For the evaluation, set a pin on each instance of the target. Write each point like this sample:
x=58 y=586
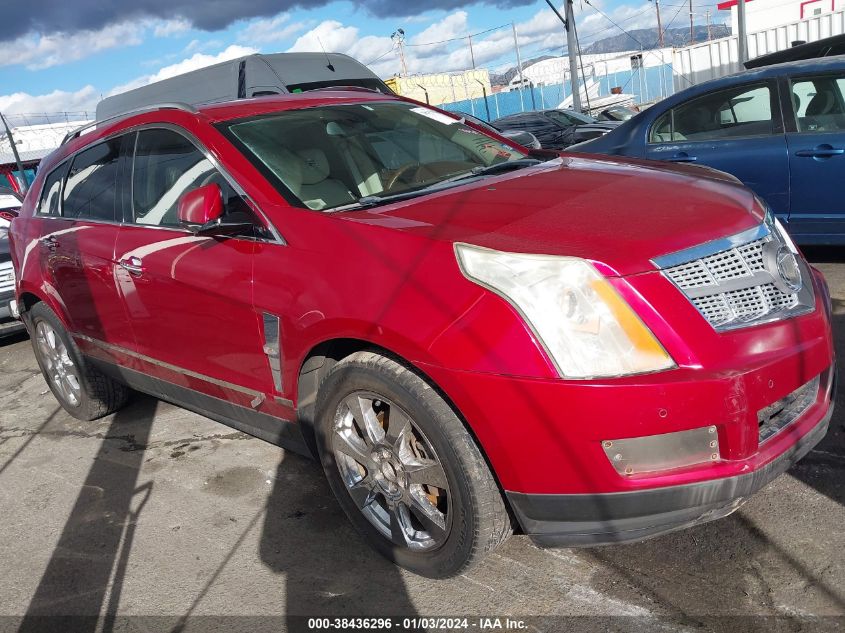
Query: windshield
x=333 y=156
x=569 y=117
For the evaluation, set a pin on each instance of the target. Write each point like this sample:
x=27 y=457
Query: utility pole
x=742 y=42
x=399 y=38
x=518 y=66
x=660 y=41
x=691 y=30
x=572 y=48
x=25 y=183
x=471 y=53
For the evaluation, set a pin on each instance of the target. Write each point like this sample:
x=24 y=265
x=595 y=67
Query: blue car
x=779 y=129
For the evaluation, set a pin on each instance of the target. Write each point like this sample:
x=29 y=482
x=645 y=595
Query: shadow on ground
x=348 y=578
x=85 y=574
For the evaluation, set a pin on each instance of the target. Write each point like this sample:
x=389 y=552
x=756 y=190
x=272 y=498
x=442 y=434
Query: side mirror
x=201 y=205
x=201 y=212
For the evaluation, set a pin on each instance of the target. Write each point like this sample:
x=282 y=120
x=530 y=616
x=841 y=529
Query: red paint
x=201 y=205
x=804 y=4
x=723 y=6
x=388 y=276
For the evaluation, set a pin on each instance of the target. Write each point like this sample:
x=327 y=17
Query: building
x=766 y=14
x=439 y=88
x=33 y=143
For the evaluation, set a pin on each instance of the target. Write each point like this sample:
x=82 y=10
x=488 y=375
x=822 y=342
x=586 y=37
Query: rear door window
x=743 y=111
x=50 y=202
x=819 y=103
x=90 y=190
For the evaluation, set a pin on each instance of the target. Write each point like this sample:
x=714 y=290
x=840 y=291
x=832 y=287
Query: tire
x=417 y=488
x=96 y=395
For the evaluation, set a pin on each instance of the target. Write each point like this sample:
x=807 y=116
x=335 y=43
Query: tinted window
x=819 y=103
x=168 y=165
x=91 y=182
x=50 y=202
x=365 y=82
x=569 y=118
x=734 y=113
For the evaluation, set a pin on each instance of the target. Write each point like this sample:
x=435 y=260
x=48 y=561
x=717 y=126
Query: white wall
x=766 y=14
x=717 y=58
x=556 y=70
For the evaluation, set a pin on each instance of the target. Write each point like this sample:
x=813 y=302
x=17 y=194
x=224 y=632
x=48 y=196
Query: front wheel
x=405 y=470
x=82 y=390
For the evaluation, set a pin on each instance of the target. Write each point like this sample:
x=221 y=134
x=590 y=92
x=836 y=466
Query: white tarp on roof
x=34 y=142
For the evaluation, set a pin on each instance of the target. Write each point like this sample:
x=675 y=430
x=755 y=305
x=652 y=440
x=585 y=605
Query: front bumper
x=620 y=517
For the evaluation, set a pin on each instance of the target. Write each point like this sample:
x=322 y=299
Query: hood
x=618 y=212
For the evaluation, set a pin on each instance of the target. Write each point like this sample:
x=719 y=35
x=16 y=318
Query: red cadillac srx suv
x=472 y=338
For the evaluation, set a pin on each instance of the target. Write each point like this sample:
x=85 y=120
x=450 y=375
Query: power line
x=642 y=46
x=463 y=37
x=392 y=48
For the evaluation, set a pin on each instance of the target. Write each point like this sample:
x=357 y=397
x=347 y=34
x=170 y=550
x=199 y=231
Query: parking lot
x=156 y=510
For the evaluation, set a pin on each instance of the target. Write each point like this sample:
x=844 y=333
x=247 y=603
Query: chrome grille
x=7 y=277
x=735 y=282
x=785 y=411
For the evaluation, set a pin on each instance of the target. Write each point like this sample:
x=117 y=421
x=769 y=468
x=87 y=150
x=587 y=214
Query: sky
x=66 y=56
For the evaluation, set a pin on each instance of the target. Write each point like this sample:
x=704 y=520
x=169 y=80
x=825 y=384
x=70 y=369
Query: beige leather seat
x=318 y=190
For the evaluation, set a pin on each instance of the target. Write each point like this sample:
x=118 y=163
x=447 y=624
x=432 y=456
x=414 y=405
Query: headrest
x=822 y=103
x=280 y=160
x=315 y=166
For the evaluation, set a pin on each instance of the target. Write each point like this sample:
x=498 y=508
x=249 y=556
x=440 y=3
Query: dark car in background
x=779 y=129
x=10 y=204
x=524 y=138
x=617 y=113
x=556 y=129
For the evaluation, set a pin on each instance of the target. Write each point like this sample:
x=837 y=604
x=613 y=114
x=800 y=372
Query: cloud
x=198 y=60
x=54 y=16
x=273 y=30
x=43 y=51
x=84 y=99
x=168 y=28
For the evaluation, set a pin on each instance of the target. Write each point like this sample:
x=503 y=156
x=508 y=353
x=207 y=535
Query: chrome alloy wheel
x=60 y=368
x=391 y=471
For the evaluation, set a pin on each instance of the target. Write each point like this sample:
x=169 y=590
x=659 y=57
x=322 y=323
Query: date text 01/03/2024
x=418 y=623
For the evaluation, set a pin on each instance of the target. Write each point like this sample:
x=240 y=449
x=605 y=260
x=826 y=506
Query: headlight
x=775 y=226
x=588 y=330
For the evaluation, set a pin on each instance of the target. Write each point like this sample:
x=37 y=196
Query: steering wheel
x=401 y=171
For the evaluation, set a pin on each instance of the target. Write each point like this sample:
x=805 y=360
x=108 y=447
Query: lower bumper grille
x=785 y=411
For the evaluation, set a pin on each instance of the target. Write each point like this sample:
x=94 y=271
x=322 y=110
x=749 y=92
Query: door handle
x=50 y=242
x=683 y=157
x=132 y=265
x=822 y=151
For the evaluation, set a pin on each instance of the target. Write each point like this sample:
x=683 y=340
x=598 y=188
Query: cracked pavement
x=156 y=510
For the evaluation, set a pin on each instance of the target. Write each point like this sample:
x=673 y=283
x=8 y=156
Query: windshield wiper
x=499 y=168
x=475 y=172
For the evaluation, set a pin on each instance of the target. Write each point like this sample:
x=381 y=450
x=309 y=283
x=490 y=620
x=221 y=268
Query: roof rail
x=185 y=107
